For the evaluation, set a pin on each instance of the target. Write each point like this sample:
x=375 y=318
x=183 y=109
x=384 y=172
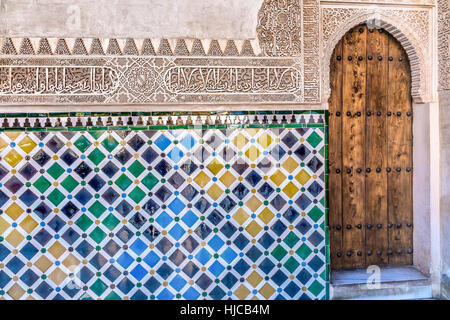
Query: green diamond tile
x=291 y=239
x=42 y=184
x=110 y=143
x=98 y=287
x=110 y=222
x=96 y=156
x=56 y=197
x=137 y=195
x=113 y=296
x=304 y=251
x=315 y=214
x=84 y=222
x=97 y=235
x=314 y=139
x=69 y=183
x=279 y=252
x=82 y=144
x=136 y=168
x=97 y=209
x=291 y=264
x=96 y=134
x=123 y=182
x=316 y=288
x=55 y=171
x=150 y=181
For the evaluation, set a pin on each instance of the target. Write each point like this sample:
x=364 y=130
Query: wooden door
x=370 y=152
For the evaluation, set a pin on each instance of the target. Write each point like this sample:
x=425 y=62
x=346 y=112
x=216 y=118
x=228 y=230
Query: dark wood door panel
x=370 y=152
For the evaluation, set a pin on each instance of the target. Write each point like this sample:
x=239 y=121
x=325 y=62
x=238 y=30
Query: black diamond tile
x=266 y=190
x=110 y=169
x=163 y=194
x=28 y=197
x=315 y=189
x=70 y=236
x=303 y=201
x=27 y=171
x=190 y=244
x=110 y=195
x=163 y=167
x=136 y=142
x=98 y=261
x=69 y=157
x=13 y=184
x=302 y=152
x=176 y=180
x=227 y=204
x=42 y=210
x=55 y=144
x=265 y=165
x=202 y=154
x=123 y=156
x=150 y=207
x=138 y=220
x=111 y=248
x=289 y=139
x=164 y=245
x=228 y=229
x=97 y=183
x=227 y=154
x=253 y=178
x=83 y=170
x=291 y=214
x=189 y=192
x=70 y=209
x=149 y=155
x=57 y=224
x=278 y=202
x=214 y=141
x=177 y=257
x=240 y=166
x=189 y=167
x=202 y=205
x=151 y=233
x=124 y=208
x=240 y=191
x=42 y=158
x=215 y=217
x=277 y=152
x=303 y=226
x=203 y=230
x=314 y=164
x=204 y=281
x=124 y=234
x=190 y=269
x=3 y=172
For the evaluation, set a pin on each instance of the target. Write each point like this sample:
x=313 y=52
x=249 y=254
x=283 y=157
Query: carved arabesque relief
x=444 y=44
x=411 y=27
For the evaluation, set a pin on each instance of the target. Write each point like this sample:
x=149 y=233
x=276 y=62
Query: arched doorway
x=370 y=151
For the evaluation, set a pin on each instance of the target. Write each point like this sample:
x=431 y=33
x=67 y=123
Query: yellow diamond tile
x=14 y=211
x=303 y=177
x=241 y=216
x=254 y=298
x=252 y=153
x=3 y=225
x=57 y=276
x=253 y=203
x=265 y=140
x=15 y=238
x=202 y=179
x=252 y=131
x=28 y=224
x=215 y=166
x=57 y=249
x=254 y=279
x=3 y=144
x=253 y=228
x=290 y=165
x=266 y=215
x=215 y=191
x=242 y=292
x=43 y=263
x=13 y=158
x=290 y=190
x=227 y=179
x=27 y=144
x=267 y=291
x=13 y=135
x=240 y=141
x=30 y=298
x=278 y=177
x=16 y=292
x=71 y=262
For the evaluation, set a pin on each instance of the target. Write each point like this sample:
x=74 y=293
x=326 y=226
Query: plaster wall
x=219 y=19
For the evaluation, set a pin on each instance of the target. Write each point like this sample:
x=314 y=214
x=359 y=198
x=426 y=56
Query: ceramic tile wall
x=164 y=212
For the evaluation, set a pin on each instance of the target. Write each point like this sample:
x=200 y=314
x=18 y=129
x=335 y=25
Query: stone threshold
x=396 y=283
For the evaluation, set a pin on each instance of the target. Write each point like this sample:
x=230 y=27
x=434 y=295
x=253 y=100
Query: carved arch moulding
x=410 y=26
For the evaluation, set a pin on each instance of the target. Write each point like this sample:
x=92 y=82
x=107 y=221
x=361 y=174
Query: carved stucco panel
x=411 y=26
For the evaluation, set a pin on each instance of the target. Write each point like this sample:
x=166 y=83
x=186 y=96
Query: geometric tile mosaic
x=234 y=213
